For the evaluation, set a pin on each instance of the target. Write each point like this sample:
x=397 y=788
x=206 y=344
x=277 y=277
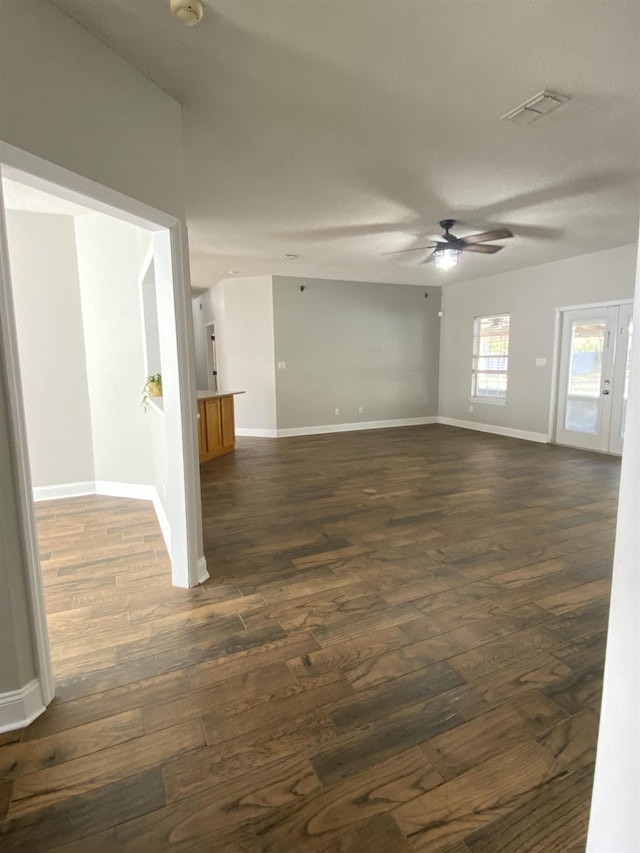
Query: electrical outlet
x=282 y=365
x=337 y=411
x=361 y=410
x=470 y=408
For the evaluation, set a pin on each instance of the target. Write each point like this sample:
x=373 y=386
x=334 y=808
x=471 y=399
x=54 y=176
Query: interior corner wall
x=68 y=98
x=46 y=293
x=531 y=297
x=614 y=823
x=108 y=266
x=243 y=313
x=349 y=345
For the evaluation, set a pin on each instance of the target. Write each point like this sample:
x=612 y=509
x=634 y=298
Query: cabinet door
x=202 y=430
x=228 y=423
x=214 y=427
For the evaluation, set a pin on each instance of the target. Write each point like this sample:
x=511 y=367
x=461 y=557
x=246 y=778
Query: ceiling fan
x=446 y=250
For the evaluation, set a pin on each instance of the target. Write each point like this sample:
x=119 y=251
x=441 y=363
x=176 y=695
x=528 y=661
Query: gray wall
x=46 y=292
x=531 y=296
x=352 y=344
x=68 y=98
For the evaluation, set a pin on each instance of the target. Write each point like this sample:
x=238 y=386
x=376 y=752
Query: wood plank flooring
x=400 y=649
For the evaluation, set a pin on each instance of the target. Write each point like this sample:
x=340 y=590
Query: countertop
x=211 y=395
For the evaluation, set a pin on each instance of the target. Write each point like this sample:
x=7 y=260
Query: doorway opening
x=212 y=358
x=593 y=376
x=177 y=431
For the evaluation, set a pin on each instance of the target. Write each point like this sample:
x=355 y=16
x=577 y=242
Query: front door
x=593 y=379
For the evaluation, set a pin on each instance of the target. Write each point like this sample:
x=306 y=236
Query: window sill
x=489 y=401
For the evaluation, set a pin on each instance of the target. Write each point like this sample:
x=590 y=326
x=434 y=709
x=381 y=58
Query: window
x=490 y=358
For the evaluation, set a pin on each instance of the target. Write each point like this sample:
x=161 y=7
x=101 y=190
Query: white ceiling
x=19 y=196
x=338 y=130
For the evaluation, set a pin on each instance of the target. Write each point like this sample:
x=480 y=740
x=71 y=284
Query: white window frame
x=477 y=338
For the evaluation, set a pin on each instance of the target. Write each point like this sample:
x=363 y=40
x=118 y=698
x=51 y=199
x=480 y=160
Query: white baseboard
x=113 y=489
x=20 y=707
x=318 y=430
x=203 y=574
x=63 y=490
x=508 y=432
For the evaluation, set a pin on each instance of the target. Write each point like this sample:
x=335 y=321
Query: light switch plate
x=282 y=365
x=541 y=362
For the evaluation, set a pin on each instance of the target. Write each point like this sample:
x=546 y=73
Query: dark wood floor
x=400 y=649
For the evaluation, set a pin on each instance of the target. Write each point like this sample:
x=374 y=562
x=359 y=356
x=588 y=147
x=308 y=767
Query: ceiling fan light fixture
x=446 y=257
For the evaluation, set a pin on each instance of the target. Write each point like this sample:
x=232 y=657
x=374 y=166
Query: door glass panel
x=627 y=369
x=585 y=375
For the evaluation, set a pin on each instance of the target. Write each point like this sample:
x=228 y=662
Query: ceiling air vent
x=540 y=105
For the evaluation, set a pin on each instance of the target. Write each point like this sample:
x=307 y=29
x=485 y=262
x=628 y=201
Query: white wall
x=109 y=267
x=243 y=313
x=82 y=400
x=202 y=313
x=350 y=345
x=615 y=817
x=531 y=296
x=44 y=271
x=151 y=332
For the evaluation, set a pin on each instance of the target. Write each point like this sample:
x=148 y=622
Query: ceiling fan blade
x=429 y=258
x=498 y=234
x=414 y=249
x=485 y=250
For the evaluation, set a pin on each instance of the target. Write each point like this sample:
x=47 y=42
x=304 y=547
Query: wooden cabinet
x=216 y=427
x=227 y=424
x=202 y=430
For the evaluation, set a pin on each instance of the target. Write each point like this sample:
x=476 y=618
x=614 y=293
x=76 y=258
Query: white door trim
x=611 y=304
x=25 y=513
x=35 y=172
x=211 y=366
x=557 y=355
x=555 y=379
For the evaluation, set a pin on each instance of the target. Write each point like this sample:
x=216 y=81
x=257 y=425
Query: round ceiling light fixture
x=189 y=12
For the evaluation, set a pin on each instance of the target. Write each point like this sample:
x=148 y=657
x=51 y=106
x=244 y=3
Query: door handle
x=606 y=391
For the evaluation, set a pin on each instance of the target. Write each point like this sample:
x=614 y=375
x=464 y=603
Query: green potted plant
x=152 y=388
